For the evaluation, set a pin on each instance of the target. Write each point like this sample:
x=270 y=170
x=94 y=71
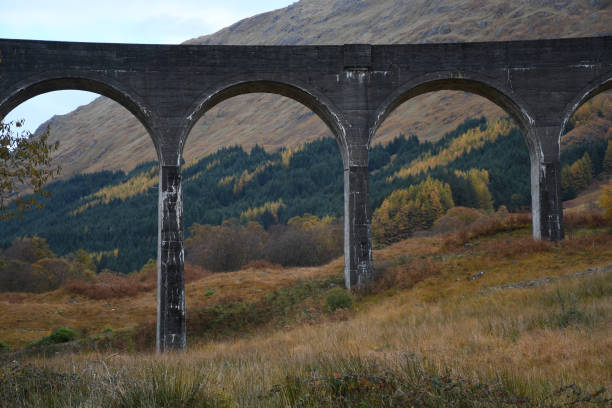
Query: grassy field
x=487 y=318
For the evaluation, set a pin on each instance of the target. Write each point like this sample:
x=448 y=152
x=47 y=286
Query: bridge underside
x=352 y=88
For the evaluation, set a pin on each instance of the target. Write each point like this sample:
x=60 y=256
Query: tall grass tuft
x=167 y=386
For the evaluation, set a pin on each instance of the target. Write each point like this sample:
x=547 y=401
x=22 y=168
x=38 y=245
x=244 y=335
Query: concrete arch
x=33 y=87
x=453 y=81
x=601 y=84
x=310 y=98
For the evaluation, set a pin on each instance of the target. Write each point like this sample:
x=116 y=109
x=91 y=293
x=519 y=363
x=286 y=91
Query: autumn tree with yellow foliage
x=479 y=179
x=577 y=176
x=406 y=210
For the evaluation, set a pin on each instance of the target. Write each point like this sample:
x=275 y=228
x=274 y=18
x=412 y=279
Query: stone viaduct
x=352 y=88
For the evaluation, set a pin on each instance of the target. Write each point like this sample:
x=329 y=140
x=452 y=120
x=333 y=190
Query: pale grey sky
x=124 y=21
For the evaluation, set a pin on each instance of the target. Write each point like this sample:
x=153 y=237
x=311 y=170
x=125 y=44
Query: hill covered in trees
x=113 y=215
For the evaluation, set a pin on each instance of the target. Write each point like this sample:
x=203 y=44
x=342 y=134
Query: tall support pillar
x=355 y=80
x=358 y=271
x=171 y=327
x=546 y=202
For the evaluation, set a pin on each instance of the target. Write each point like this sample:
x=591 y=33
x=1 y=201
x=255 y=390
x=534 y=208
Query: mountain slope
x=103 y=135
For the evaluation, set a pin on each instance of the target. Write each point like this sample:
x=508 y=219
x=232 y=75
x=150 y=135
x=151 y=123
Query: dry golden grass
x=532 y=339
x=124 y=303
x=477 y=335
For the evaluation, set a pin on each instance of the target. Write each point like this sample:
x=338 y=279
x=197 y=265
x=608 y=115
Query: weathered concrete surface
x=171 y=328
x=352 y=88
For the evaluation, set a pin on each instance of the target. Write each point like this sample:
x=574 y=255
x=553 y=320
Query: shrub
x=338 y=298
x=19 y=276
x=29 y=250
x=225 y=247
x=4 y=347
x=30 y=266
x=62 y=335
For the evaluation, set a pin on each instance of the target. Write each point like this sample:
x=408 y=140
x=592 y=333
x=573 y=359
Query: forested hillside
x=113 y=215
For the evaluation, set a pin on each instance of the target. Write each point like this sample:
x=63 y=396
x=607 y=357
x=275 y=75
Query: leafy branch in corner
x=25 y=164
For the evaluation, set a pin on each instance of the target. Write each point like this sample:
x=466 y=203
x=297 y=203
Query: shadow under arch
x=103 y=86
x=451 y=81
x=313 y=100
x=602 y=84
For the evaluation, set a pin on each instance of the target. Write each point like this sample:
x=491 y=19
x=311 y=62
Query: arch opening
x=479 y=88
x=602 y=87
x=25 y=92
x=89 y=141
x=316 y=104
x=447 y=142
x=586 y=153
x=280 y=192
x=85 y=237
x=100 y=185
x=40 y=108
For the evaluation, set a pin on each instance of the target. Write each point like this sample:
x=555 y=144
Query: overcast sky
x=123 y=21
